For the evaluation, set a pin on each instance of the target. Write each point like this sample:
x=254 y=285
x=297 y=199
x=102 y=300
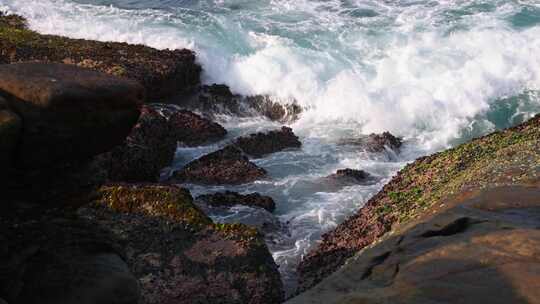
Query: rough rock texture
x=260 y=144
x=69 y=113
x=348 y=176
x=427 y=186
x=10 y=131
x=226 y=166
x=149 y=148
x=62 y=261
x=179 y=255
x=162 y=72
x=376 y=143
x=218 y=99
x=193 y=130
x=229 y=198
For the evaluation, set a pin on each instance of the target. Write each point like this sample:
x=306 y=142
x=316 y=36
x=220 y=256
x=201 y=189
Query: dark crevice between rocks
x=378 y=260
x=458 y=226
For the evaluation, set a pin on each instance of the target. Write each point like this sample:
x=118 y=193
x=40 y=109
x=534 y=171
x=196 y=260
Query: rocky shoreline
x=87 y=127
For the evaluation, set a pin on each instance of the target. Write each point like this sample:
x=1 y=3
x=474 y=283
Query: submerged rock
x=434 y=194
x=179 y=255
x=260 y=144
x=226 y=166
x=54 y=260
x=68 y=113
x=229 y=198
x=348 y=176
x=149 y=148
x=376 y=143
x=193 y=130
x=163 y=73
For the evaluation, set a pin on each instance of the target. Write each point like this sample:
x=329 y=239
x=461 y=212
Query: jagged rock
x=149 y=148
x=179 y=255
x=376 y=143
x=260 y=144
x=226 y=166
x=53 y=260
x=348 y=176
x=68 y=113
x=163 y=73
x=425 y=187
x=193 y=130
x=10 y=130
x=229 y=198
x=287 y=112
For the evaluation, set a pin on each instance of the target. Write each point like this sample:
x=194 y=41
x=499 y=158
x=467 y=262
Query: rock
x=426 y=187
x=348 y=176
x=56 y=260
x=229 y=198
x=149 y=148
x=193 y=130
x=179 y=255
x=484 y=248
x=68 y=113
x=282 y=112
x=163 y=73
x=226 y=166
x=260 y=144
x=10 y=130
x=376 y=143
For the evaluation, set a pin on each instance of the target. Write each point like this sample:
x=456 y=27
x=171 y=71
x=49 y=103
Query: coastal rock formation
x=226 y=166
x=179 y=255
x=260 y=144
x=348 y=176
x=434 y=194
x=163 y=73
x=58 y=260
x=229 y=198
x=10 y=130
x=376 y=143
x=191 y=129
x=149 y=148
x=68 y=113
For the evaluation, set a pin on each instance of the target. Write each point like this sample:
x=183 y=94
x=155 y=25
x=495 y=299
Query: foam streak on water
x=436 y=72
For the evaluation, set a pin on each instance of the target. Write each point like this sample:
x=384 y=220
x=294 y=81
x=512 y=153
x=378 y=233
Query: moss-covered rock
x=503 y=158
x=162 y=72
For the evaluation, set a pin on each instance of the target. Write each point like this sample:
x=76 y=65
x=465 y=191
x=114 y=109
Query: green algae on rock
x=163 y=73
x=503 y=158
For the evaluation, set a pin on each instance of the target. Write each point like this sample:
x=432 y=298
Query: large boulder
x=63 y=261
x=229 y=198
x=69 y=113
x=10 y=130
x=226 y=166
x=163 y=73
x=148 y=149
x=179 y=255
x=260 y=144
x=191 y=129
x=428 y=187
x=376 y=143
x=348 y=177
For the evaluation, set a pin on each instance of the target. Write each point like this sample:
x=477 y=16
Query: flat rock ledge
x=260 y=144
x=229 y=198
x=464 y=225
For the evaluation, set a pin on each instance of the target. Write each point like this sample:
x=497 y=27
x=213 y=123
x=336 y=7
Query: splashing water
x=436 y=72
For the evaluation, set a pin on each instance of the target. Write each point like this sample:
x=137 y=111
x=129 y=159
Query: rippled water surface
x=434 y=72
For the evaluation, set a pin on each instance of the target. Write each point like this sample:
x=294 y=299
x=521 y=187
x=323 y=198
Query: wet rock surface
x=149 y=148
x=229 y=198
x=348 y=177
x=163 y=73
x=179 y=255
x=426 y=187
x=376 y=143
x=191 y=129
x=260 y=144
x=227 y=166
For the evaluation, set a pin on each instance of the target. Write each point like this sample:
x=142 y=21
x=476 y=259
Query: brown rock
x=10 y=130
x=179 y=255
x=225 y=166
x=193 y=130
x=348 y=176
x=69 y=113
x=376 y=143
x=260 y=144
x=229 y=198
x=163 y=73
